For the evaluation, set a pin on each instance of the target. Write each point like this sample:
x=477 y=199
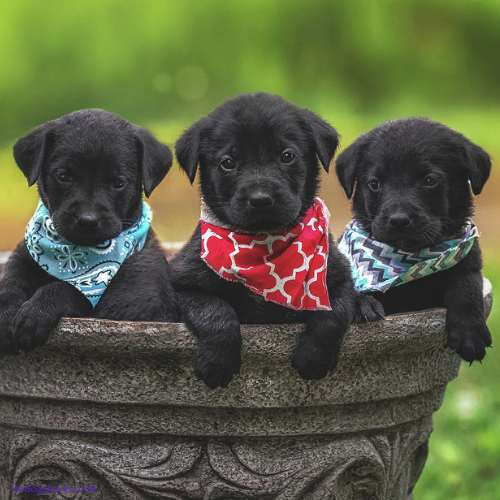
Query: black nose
x=88 y=220
x=399 y=221
x=260 y=200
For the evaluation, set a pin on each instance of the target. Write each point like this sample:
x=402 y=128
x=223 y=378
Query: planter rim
x=125 y=377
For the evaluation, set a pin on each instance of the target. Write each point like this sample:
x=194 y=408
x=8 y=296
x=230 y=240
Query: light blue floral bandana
x=90 y=269
x=375 y=266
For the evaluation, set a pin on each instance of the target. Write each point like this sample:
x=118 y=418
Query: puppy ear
x=346 y=167
x=187 y=148
x=325 y=137
x=478 y=166
x=156 y=159
x=31 y=151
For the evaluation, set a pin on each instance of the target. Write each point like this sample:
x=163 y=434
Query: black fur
x=254 y=130
x=412 y=190
x=90 y=168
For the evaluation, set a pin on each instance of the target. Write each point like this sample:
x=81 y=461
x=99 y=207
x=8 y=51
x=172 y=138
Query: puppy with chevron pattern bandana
x=89 y=249
x=375 y=266
x=412 y=244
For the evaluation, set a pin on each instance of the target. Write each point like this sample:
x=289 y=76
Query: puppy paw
x=469 y=343
x=32 y=327
x=311 y=360
x=367 y=309
x=216 y=364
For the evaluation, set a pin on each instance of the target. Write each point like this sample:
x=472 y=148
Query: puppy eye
x=431 y=181
x=374 y=184
x=119 y=183
x=287 y=157
x=227 y=164
x=62 y=177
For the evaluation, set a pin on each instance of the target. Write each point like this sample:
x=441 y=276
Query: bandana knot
x=375 y=266
x=89 y=269
x=288 y=268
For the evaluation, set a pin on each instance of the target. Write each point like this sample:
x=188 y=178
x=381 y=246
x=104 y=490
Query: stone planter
x=115 y=406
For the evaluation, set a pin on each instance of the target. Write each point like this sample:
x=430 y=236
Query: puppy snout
x=88 y=220
x=260 y=199
x=399 y=221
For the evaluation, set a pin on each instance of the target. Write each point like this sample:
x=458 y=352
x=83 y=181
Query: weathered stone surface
x=115 y=405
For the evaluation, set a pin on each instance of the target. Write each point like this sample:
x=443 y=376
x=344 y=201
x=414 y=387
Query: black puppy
x=90 y=167
x=413 y=180
x=259 y=173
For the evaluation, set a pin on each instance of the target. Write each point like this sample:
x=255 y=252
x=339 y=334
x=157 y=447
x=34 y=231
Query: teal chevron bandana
x=375 y=266
x=89 y=269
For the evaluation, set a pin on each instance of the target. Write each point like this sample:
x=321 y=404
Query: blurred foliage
x=164 y=60
x=163 y=63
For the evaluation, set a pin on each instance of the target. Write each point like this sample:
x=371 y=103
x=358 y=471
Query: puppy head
x=90 y=167
x=412 y=181
x=258 y=158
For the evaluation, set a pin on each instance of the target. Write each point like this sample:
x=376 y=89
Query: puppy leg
x=318 y=348
x=141 y=290
x=466 y=327
x=16 y=287
x=38 y=316
x=216 y=325
x=12 y=296
x=367 y=308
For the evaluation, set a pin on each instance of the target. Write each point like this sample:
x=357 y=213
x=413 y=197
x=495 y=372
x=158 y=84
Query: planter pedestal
x=115 y=406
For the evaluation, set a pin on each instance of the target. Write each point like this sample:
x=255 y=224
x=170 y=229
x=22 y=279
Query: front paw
x=312 y=360
x=367 y=309
x=32 y=327
x=217 y=363
x=469 y=342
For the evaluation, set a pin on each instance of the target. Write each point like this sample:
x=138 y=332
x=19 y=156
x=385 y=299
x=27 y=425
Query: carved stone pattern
x=380 y=466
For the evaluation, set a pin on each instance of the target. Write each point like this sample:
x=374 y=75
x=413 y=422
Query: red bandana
x=288 y=268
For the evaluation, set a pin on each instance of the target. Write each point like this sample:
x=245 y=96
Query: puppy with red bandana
x=262 y=252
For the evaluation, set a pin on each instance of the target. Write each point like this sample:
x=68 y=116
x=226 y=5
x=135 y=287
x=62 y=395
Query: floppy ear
x=187 y=148
x=156 y=159
x=347 y=164
x=31 y=151
x=325 y=137
x=478 y=166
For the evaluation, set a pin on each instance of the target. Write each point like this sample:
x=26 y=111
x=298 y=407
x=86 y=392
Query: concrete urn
x=115 y=406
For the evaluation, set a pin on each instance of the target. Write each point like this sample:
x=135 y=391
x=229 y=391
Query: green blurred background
x=162 y=64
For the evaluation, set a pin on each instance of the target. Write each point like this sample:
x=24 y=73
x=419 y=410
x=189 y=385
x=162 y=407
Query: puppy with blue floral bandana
x=89 y=249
